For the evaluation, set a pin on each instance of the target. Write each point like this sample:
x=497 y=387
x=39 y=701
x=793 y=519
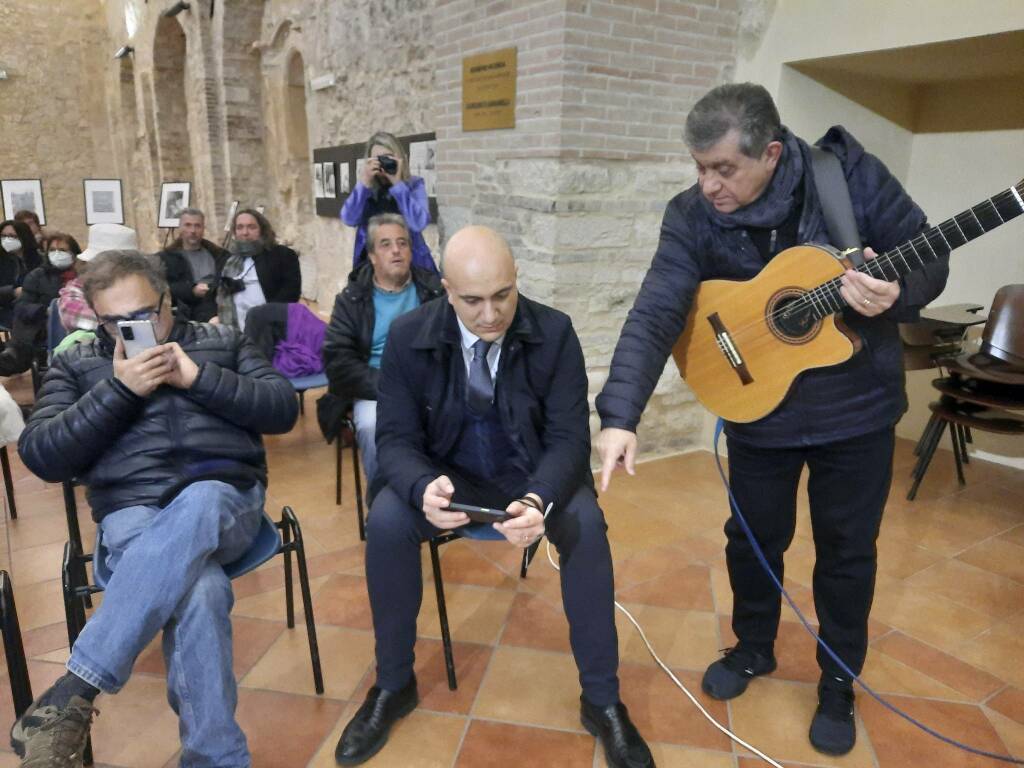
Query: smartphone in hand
x=137 y=335
x=480 y=514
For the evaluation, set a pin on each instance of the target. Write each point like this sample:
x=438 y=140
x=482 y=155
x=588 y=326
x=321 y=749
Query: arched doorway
x=297 y=133
x=172 y=117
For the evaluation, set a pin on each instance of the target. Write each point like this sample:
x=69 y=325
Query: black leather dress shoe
x=624 y=747
x=367 y=732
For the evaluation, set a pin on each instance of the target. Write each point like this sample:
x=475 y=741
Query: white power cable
x=671 y=674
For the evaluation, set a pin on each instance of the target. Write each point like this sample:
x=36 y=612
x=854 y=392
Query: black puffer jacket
x=130 y=450
x=349 y=338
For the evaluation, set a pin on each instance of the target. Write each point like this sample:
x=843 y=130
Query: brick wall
x=580 y=184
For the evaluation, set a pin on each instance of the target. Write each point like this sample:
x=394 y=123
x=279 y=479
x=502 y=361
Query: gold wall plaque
x=489 y=90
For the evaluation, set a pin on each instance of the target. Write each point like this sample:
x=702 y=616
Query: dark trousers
x=267 y=325
x=848 y=483
x=395 y=531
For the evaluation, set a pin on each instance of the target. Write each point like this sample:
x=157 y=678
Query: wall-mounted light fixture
x=177 y=8
x=124 y=50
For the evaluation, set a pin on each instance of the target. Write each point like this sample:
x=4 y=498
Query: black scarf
x=778 y=198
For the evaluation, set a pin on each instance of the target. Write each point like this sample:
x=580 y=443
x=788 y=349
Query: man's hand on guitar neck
x=617 y=448
x=868 y=295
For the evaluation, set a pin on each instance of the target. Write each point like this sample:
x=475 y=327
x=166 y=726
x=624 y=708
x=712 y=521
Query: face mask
x=246 y=247
x=10 y=244
x=61 y=259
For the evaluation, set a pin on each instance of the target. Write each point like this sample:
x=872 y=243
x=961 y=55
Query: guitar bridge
x=728 y=348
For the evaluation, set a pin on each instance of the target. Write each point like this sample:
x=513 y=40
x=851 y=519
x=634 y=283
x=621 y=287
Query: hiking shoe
x=728 y=677
x=833 y=730
x=47 y=736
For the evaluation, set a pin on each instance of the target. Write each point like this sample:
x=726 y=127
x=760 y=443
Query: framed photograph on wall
x=318 y=179
x=103 y=201
x=422 y=163
x=174 y=198
x=23 y=195
x=330 y=181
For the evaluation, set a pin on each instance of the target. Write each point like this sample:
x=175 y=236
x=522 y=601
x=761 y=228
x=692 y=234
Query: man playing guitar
x=755 y=196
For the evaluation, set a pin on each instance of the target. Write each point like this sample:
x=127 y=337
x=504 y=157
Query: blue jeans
x=167 y=575
x=364 y=418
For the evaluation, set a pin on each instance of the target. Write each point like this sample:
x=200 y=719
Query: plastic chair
x=284 y=537
x=476 y=532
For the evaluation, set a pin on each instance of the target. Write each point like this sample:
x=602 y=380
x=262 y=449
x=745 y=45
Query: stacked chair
x=984 y=390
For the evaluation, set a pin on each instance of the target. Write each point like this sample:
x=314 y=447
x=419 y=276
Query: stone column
x=580 y=184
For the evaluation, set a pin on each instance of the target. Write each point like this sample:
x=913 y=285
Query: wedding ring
x=867 y=301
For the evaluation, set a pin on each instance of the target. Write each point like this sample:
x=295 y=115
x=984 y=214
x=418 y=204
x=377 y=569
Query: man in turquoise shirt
x=379 y=290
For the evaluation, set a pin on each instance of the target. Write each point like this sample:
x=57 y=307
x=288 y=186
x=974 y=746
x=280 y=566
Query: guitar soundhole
x=791 y=318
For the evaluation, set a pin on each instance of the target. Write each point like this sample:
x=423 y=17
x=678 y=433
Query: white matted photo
x=344 y=184
x=103 y=201
x=174 y=198
x=231 y=215
x=330 y=181
x=360 y=163
x=318 y=180
x=23 y=195
x=422 y=163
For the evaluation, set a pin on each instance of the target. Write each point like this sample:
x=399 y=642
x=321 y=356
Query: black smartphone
x=480 y=514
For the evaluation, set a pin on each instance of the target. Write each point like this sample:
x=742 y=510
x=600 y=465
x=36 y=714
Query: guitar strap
x=836 y=205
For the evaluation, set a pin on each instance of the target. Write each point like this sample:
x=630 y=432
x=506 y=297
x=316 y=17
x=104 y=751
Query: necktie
x=480 y=392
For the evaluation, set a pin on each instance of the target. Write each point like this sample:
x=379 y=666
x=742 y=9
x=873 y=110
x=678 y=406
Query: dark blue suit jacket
x=540 y=391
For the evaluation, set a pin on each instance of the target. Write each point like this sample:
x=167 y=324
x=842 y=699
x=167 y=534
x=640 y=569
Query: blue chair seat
x=302 y=383
x=479 y=532
x=266 y=544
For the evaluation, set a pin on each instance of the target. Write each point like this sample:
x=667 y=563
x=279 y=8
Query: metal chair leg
x=954 y=436
x=307 y=598
x=5 y=461
x=75 y=534
x=356 y=475
x=923 y=439
x=337 y=470
x=928 y=452
x=286 y=549
x=442 y=613
x=962 y=430
x=528 y=555
x=14 y=650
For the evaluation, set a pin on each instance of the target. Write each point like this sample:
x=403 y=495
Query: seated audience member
x=167 y=443
x=18 y=254
x=31 y=219
x=482 y=400
x=193 y=266
x=40 y=287
x=76 y=316
x=258 y=270
x=385 y=186
x=378 y=291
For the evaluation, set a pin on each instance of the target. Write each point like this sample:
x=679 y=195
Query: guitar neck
x=929 y=246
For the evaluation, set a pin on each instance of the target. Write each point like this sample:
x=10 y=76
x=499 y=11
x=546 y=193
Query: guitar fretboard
x=926 y=248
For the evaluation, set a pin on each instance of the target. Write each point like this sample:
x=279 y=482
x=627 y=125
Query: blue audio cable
x=719 y=425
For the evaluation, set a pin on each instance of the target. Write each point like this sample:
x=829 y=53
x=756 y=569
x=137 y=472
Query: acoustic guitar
x=745 y=342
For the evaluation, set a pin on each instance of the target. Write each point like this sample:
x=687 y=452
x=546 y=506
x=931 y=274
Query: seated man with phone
x=160 y=419
x=482 y=401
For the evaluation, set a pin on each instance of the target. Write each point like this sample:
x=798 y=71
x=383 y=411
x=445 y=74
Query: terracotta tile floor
x=947 y=631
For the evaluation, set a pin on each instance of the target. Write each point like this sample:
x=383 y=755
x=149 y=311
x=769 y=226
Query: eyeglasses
x=146 y=313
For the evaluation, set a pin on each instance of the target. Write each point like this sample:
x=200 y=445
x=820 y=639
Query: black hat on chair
x=1001 y=356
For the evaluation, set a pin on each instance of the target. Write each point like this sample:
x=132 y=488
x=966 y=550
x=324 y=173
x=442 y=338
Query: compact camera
x=232 y=284
x=388 y=164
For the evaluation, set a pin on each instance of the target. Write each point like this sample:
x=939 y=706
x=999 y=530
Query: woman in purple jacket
x=385 y=186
